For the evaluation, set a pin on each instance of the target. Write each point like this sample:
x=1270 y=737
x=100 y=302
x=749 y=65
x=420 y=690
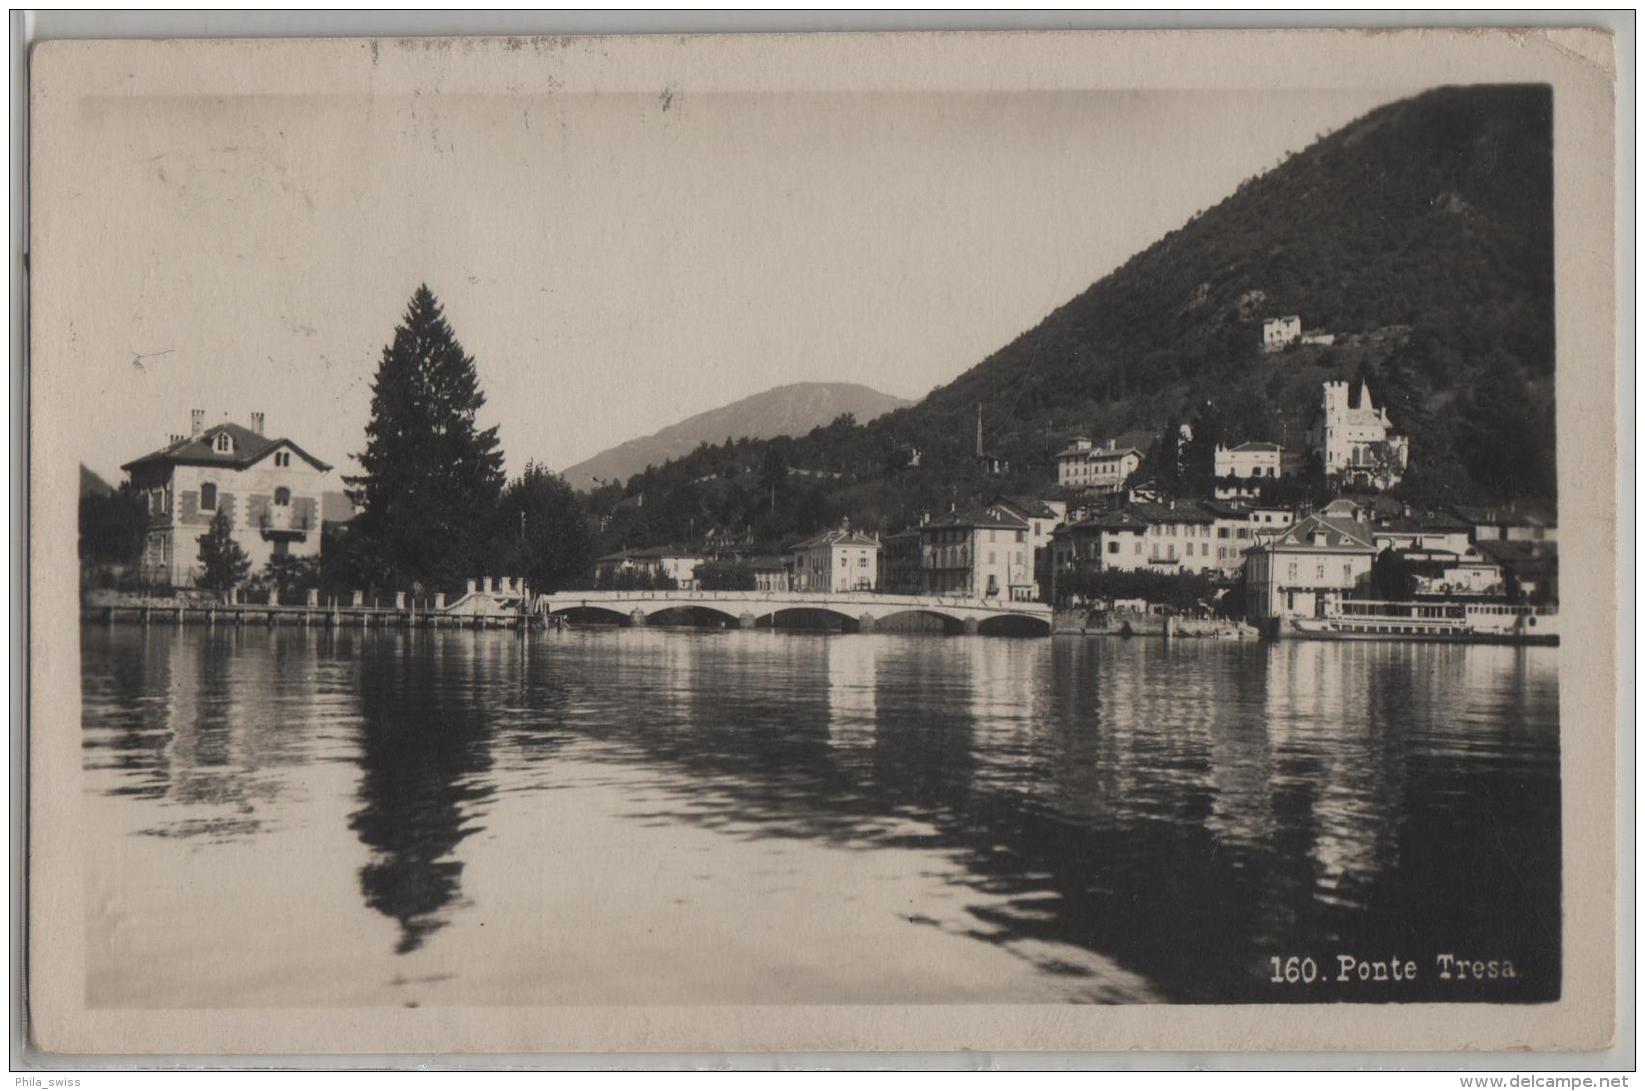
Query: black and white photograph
x=560 y=526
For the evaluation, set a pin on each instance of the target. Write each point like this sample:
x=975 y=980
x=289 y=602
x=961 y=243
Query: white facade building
x=1316 y=563
x=1084 y=465
x=1280 y=332
x=273 y=492
x=1357 y=441
x=1249 y=460
x=838 y=560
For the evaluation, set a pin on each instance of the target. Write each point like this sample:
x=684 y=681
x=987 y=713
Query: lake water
x=302 y=817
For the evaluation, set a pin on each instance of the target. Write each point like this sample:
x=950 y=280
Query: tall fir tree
x=432 y=477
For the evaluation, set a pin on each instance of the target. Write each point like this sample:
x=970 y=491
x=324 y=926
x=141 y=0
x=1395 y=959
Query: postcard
x=824 y=542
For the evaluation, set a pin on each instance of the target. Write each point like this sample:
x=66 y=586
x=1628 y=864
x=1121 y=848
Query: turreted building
x=1354 y=439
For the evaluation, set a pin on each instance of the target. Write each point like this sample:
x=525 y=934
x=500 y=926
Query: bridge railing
x=556 y=599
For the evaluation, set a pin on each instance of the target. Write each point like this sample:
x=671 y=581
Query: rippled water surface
x=297 y=817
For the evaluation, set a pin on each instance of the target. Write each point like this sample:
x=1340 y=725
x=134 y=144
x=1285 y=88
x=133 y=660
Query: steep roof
x=248 y=449
x=1108 y=520
x=836 y=537
x=1338 y=533
x=984 y=519
x=1026 y=506
x=1166 y=513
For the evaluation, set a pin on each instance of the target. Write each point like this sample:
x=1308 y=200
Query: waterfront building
x=1043 y=517
x=900 y=571
x=1106 y=541
x=772 y=573
x=1355 y=440
x=1529 y=568
x=275 y=494
x=1085 y=465
x=1270 y=520
x=1196 y=537
x=651 y=563
x=1509 y=524
x=1312 y=566
x=980 y=554
x=837 y=560
x=1235 y=531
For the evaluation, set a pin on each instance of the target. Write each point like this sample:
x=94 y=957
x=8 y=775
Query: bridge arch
x=802 y=615
x=694 y=614
x=592 y=615
x=919 y=619
x=1014 y=625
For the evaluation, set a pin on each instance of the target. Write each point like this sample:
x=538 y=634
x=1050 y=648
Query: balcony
x=283 y=522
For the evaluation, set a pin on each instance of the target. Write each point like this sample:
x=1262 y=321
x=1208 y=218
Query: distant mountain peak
x=789 y=410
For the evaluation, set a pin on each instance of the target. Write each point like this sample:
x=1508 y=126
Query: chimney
x=257 y=423
x=197 y=421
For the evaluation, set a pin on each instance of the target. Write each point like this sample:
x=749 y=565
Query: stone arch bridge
x=862 y=611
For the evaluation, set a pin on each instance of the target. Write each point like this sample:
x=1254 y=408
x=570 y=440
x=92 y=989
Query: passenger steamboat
x=1451 y=622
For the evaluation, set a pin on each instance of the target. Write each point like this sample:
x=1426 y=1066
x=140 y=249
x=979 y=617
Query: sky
x=614 y=262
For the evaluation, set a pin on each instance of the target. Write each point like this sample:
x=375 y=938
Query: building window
x=225 y=442
x=282 y=497
x=208 y=497
x=1113 y=547
x=282 y=458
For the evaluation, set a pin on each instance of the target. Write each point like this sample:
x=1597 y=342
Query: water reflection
x=425 y=736
x=1179 y=813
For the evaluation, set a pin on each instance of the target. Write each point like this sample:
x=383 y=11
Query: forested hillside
x=1421 y=236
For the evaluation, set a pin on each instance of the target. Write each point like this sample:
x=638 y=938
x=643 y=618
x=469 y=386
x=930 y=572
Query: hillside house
x=1084 y=465
x=1253 y=459
x=275 y=494
x=1278 y=333
x=1355 y=440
